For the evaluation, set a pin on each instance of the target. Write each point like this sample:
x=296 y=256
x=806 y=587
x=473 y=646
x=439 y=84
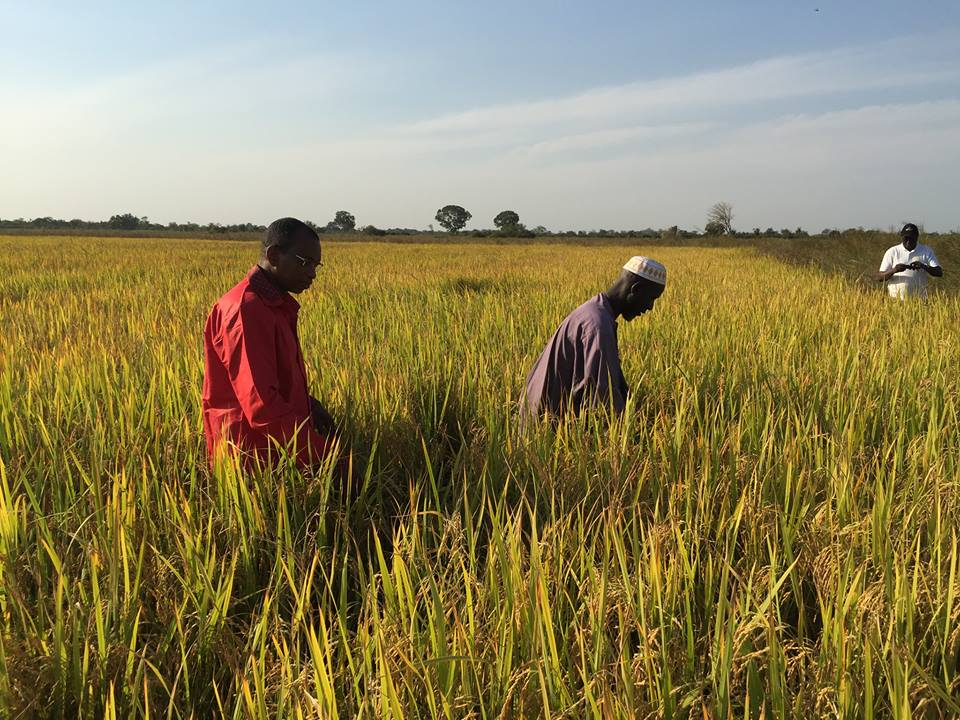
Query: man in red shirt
x=255 y=384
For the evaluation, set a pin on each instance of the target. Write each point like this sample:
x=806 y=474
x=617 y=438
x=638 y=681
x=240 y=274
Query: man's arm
x=887 y=267
x=885 y=275
x=250 y=357
x=323 y=421
x=601 y=369
x=934 y=270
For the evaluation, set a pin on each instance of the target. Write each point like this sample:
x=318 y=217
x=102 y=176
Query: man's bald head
x=286 y=232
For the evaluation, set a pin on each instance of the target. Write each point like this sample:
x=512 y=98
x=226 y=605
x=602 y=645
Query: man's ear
x=272 y=254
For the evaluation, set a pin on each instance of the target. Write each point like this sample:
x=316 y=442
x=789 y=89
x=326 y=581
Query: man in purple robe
x=580 y=366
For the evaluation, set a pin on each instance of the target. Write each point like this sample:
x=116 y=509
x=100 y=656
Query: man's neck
x=268 y=274
x=616 y=303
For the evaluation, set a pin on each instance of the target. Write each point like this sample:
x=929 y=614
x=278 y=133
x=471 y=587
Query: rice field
x=770 y=531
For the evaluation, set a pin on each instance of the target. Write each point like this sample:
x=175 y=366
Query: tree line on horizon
x=451 y=218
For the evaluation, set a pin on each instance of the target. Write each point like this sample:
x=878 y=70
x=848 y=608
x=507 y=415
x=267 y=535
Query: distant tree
x=344 y=221
x=670 y=233
x=713 y=228
x=539 y=230
x=786 y=233
x=453 y=217
x=126 y=221
x=506 y=220
x=373 y=230
x=721 y=214
x=800 y=233
x=756 y=232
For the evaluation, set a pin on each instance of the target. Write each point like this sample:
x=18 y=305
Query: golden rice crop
x=770 y=531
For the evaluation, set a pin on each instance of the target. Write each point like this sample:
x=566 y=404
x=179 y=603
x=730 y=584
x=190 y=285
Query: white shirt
x=908 y=282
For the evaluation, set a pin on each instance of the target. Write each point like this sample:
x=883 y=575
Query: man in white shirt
x=905 y=266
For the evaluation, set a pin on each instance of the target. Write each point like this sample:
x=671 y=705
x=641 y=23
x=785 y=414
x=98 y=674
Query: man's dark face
x=910 y=240
x=295 y=265
x=641 y=298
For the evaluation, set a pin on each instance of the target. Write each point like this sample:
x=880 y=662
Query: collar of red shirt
x=270 y=293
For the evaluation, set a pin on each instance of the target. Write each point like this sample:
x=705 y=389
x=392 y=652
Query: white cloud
x=239 y=90
x=201 y=139
x=884 y=65
x=871 y=166
x=597 y=139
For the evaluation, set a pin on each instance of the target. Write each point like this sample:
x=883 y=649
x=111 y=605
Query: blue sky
x=576 y=115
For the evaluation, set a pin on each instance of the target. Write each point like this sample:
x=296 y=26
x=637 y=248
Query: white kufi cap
x=647 y=268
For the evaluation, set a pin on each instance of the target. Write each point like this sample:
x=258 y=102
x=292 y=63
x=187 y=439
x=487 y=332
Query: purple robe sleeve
x=602 y=381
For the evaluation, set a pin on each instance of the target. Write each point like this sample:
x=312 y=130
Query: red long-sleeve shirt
x=255 y=383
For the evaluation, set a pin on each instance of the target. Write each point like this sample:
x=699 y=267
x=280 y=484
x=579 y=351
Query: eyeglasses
x=309 y=262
